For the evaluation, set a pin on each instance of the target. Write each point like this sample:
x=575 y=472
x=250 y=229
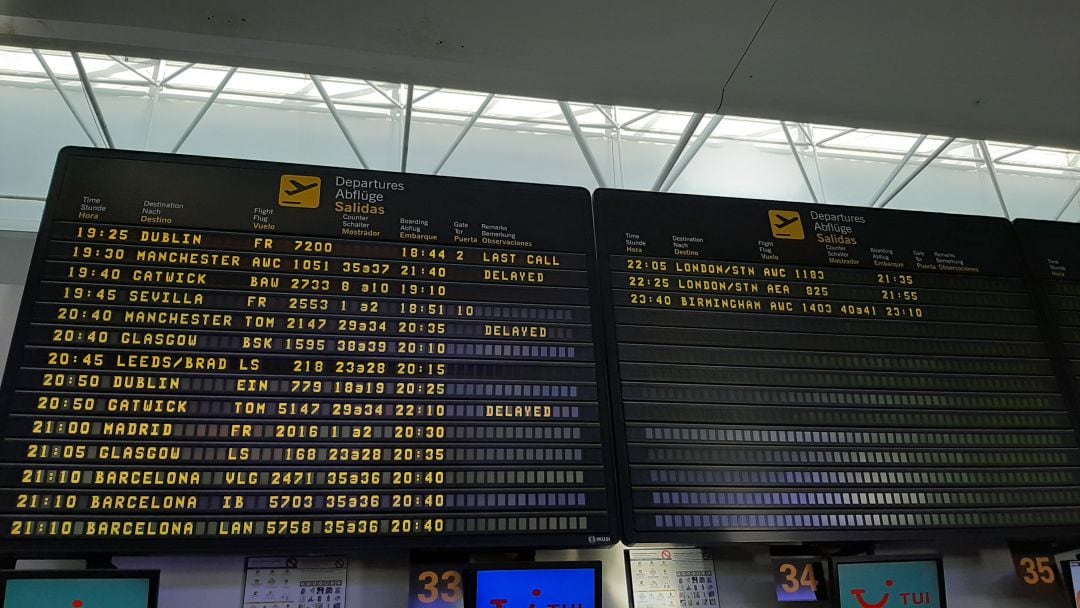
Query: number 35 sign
x=435 y=586
x=1036 y=568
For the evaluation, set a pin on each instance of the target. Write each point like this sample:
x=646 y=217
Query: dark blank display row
x=965 y=328
x=809 y=359
x=676 y=393
x=851 y=499
x=772 y=435
x=944 y=456
x=807 y=419
x=972 y=518
x=757 y=376
x=785 y=476
x=668 y=340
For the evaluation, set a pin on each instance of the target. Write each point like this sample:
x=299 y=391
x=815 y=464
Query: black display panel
x=1052 y=253
x=215 y=354
x=797 y=372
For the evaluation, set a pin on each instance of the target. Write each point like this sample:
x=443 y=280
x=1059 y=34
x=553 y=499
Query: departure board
x=1052 y=252
x=791 y=372
x=214 y=354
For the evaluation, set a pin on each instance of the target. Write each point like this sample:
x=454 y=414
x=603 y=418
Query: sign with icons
x=671 y=578
x=893 y=582
x=295 y=582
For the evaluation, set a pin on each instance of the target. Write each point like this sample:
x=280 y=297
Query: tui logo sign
x=889 y=585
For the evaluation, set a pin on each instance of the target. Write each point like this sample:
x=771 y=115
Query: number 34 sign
x=435 y=586
x=799 y=581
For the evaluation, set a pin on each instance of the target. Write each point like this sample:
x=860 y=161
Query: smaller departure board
x=214 y=354
x=1052 y=252
x=800 y=372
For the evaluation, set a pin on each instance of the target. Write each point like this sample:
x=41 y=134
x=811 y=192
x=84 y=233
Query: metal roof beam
x=337 y=118
x=579 y=137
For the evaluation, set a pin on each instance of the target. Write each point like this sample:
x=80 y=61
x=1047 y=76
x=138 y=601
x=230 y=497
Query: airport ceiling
x=985 y=69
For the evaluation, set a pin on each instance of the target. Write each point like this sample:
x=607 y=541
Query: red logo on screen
x=906 y=598
x=859 y=593
x=77 y=604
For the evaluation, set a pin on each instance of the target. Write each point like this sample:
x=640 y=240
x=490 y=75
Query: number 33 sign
x=435 y=586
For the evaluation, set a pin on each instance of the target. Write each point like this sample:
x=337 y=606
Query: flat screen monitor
x=1073 y=568
x=568 y=584
x=79 y=589
x=889 y=582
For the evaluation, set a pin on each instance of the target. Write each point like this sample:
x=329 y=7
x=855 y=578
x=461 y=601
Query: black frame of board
x=710 y=538
x=1055 y=344
x=834 y=585
x=1065 y=567
x=60 y=546
x=152 y=575
x=470 y=575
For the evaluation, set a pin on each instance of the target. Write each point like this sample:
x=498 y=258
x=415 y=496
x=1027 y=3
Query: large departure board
x=795 y=372
x=216 y=354
x=1052 y=252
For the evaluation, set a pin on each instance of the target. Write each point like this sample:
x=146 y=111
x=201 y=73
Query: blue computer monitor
x=536 y=583
x=1073 y=574
x=79 y=588
x=889 y=582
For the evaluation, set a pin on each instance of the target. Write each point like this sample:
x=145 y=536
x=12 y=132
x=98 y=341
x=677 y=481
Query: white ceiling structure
x=982 y=69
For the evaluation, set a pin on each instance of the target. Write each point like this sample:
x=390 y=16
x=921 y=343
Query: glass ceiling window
x=208 y=109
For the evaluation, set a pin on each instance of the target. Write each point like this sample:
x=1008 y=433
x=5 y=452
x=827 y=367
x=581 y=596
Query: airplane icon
x=786 y=224
x=298 y=187
x=783 y=223
x=299 y=191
